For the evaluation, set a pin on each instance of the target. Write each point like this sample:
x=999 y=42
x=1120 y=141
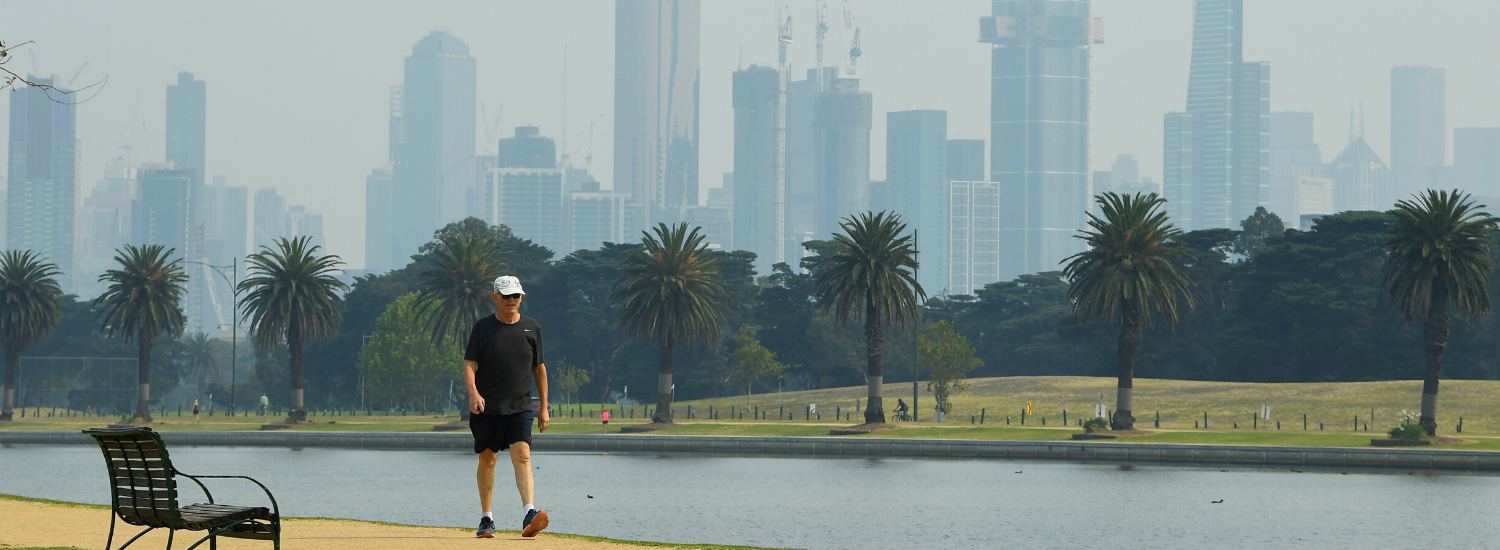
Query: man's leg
x=486 y=478
x=520 y=460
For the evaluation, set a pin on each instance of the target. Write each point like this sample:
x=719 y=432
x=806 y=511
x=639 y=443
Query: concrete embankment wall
x=1335 y=457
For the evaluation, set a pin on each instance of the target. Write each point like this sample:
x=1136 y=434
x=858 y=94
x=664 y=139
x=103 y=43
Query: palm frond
x=144 y=296
x=30 y=299
x=1129 y=258
x=291 y=293
x=872 y=260
x=669 y=290
x=1439 y=235
x=456 y=290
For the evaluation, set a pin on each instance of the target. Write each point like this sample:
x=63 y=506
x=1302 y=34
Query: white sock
x=490 y=515
x=529 y=508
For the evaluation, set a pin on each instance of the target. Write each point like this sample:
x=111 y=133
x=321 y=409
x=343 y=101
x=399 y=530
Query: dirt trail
x=44 y=524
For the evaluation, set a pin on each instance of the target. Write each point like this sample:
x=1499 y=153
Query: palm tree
x=30 y=308
x=1128 y=270
x=871 y=274
x=1438 y=255
x=201 y=353
x=143 y=301
x=456 y=291
x=291 y=295
x=669 y=292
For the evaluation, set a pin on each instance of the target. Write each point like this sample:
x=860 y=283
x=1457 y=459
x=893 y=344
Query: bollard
x=1367 y=426
x=971 y=419
x=1278 y=424
x=1007 y=421
x=1356 y=422
x=1205 y=420
x=1236 y=425
x=838 y=412
x=1460 y=424
x=1080 y=422
x=1320 y=426
x=757 y=412
x=1195 y=424
x=1158 y=419
x=1065 y=417
x=780 y=412
x=1044 y=421
x=981 y=416
x=1254 y=422
x=1023 y=417
x=1304 y=422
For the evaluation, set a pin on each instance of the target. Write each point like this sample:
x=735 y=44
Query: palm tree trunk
x=295 y=344
x=12 y=357
x=874 y=362
x=663 y=413
x=1435 y=338
x=1130 y=330
x=143 y=380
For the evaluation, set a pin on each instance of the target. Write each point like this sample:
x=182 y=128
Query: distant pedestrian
x=265 y=404
x=606 y=420
x=502 y=364
x=195 y=412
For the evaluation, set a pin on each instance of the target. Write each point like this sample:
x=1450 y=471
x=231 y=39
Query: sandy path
x=24 y=524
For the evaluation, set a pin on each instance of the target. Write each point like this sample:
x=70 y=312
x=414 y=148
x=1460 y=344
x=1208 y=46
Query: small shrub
x=1408 y=431
x=1095 y=425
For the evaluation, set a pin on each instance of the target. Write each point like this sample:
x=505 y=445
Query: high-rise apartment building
x=270 y=218
x=42 y=177
x=974 y=237
x=656 y=106
x=1216 y=169
x=916 y=187
x=106 y=213
x=1039 y=126
x=160 y=213
x=1126 y=170
x=1476 y=161
x=530 y=201
x=187 y=116
x=434 y=152
x=1418 y=129
x=299 y=222
x=966 y=160
x=595 y=218
x=756 y=209
x=528 y=149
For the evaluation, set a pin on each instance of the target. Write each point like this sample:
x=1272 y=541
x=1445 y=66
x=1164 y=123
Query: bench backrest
x=142 y=481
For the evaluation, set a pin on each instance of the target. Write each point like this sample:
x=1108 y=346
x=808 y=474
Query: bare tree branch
x=10 y=79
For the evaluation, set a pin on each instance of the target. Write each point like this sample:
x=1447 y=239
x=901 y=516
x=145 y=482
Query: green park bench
x=144 y=493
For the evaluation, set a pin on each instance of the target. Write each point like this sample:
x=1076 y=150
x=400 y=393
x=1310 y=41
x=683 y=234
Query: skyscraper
x=656 y=105
x=42 y=177
x=270 y=218
x=187 y=115
x=755 y=205
x=160 y=213
x=916 y=187
x=1216 y=169
x=841 y=134
x=1361 y=181
x=435 y=151
x=530 y=202
x=299 y=222
x=1039 y=130
x=1294 y=154
x=1419 y=145
x=974 y=237
x=966 y=160
x=1476 y=161
x=378 y=214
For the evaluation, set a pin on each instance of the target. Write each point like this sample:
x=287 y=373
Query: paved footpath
x=35 y=524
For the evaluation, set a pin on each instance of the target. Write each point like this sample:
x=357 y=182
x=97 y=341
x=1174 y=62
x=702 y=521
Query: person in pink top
x=606 y=420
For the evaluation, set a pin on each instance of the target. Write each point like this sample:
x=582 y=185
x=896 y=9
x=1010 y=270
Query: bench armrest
x=275 y=509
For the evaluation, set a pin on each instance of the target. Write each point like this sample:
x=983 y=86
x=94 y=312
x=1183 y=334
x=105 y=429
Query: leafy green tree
x=142 y=302
x=200 y=353
x=670 y=293
x=752 y=361
x=292 y=296
x=455 y=290
x=784 y=312
x=1022 y=328
x=402 y=363
x=569 y=379
x=1255 y=229
x=1438 y=255
x=948 y=358
x=578 y=287
x=1127 y=271
x=30 y=310
x=870 y=273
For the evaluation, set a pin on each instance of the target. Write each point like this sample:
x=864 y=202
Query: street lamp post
x=234 y=322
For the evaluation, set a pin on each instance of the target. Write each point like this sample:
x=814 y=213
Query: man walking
x=502 y=363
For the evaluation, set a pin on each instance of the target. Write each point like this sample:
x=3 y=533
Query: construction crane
x=783 y=39
x=76 y=74
x=854 y=52
x=822 y=31
x=491 y=127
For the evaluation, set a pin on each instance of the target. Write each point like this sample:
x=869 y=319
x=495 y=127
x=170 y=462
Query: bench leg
x=170 y=533
x=137 y=535
x=111 y=539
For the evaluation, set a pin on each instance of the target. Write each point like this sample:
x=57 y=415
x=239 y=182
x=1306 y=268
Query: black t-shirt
x=505 y=353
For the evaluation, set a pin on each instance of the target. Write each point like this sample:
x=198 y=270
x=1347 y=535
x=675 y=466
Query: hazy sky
x=297 y=91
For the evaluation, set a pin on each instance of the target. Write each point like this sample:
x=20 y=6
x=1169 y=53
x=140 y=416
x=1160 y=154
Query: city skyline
x=1126 y=81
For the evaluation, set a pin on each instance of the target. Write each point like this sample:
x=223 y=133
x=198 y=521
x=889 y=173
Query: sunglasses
x=510 y=296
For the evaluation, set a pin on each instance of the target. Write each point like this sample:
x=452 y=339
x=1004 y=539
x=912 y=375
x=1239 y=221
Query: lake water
x=826 y=503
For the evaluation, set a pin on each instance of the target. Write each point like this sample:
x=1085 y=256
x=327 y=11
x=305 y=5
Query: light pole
x=234 y=322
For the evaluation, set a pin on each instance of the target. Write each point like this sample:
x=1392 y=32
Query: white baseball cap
x=506 y=285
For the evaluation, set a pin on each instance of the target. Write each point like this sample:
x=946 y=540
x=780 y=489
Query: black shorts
x=497 y=432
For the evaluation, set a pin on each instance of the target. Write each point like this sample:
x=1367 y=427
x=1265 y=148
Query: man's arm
x=476 y=402
x=539 y=372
